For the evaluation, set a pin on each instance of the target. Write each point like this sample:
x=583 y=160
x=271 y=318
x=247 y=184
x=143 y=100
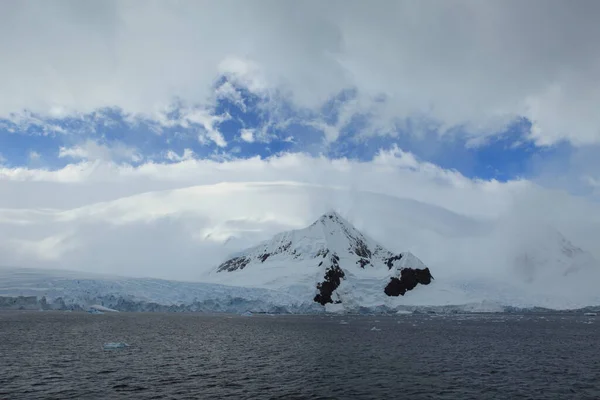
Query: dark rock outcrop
x=332 y=279
x=390 y=261
x=234 y=264
x=361 y=249
x=409 y=279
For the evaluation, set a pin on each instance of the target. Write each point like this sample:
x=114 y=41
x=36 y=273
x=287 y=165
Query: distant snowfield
x=176 y=237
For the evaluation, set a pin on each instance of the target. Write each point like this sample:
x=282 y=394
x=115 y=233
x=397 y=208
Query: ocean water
x=58 y=355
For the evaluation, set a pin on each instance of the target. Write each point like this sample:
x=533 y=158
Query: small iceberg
x=102 y=309
x=114 y=345
x=590 y=314
x=94 y=311
x=246 y=314
x=343 y=322
x=375 y=328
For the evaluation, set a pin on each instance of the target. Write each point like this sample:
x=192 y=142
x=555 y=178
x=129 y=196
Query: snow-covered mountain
x=551 y=255
x=329 y=261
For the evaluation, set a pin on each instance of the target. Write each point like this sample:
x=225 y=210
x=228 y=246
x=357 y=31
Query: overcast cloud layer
x=190 y=215
x=471 y=63
x=377 y=69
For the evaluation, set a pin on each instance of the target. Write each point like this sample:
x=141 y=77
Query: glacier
x=23 y=288
x=34 y=289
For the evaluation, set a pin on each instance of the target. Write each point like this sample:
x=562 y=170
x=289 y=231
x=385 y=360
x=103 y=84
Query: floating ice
x=114 y=345
x=102 y=308
x=375 y=328
x=94 y=311
x=343 y=322
x=247 y=314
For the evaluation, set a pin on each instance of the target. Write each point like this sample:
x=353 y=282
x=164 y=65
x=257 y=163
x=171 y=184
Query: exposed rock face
x=240 y=262
x=390 y=261
x=234 y=264
x=409 y=278
x=332 y=279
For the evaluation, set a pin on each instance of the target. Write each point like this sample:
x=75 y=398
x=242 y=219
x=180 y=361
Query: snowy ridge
x=330 y=233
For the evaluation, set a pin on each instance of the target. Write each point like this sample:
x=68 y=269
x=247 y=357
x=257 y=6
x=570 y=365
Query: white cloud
x=391 y=172
x=188 y=154
x=191 y=213
x=461 y=62
x=591 y=181
x=34 y=156
x=229 y=92
x=247 y=135
x=91 y=150
x=77 y=152
x=203 y=117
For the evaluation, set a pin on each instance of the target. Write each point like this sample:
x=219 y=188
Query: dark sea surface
x=58 y=355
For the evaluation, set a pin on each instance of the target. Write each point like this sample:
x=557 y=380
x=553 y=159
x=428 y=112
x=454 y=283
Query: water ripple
x=59 y=355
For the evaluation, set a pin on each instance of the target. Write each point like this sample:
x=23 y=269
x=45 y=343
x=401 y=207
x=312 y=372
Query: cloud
x=191 y=213
x=391 y=172
x=90 y=150
x=34 y=156
x=471 y=64
x=229 y=92
x=247 y=135
x=188 y=154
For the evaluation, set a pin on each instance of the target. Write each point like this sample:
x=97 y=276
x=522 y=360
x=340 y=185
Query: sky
x=483 y=111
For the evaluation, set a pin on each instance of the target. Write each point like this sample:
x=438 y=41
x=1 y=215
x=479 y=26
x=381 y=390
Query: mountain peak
x=331 y=214
x=332 y=217
x=332 y=251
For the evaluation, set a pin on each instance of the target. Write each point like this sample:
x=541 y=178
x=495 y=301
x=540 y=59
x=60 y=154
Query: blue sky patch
x=272 y=127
